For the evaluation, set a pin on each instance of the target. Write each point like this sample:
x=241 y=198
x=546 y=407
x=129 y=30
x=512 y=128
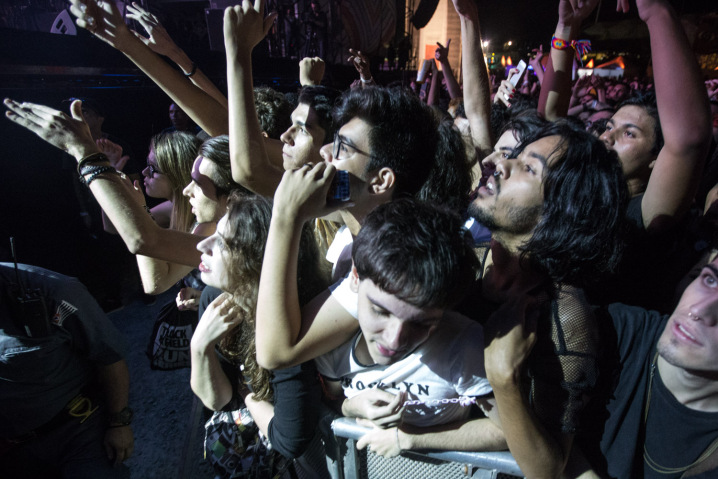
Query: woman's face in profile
x=216 y=257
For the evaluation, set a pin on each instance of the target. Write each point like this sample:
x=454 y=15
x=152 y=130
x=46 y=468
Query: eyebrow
x=541 y=158
x=625 y=125
x=712 y=268
x=348 y=141
x=423 y=319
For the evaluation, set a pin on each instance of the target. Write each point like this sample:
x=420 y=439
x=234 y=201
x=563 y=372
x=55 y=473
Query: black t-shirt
x=614 y=440
x=297 y=396
x=649 y=271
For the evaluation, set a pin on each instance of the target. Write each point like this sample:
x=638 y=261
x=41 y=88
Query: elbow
x=213 y=402
x=268 y=361
x=137 y=245
x=154 y=288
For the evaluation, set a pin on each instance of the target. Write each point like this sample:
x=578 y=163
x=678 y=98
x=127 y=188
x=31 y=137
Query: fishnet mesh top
x=562 y=368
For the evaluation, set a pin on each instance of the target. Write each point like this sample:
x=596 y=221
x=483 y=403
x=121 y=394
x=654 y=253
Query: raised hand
x=467 y=9
x=158 y=39
x=220 y=317
x=535 y=62
x=506 y=91
x=302 y=193
x=245 y=26
x=102 y=19
x=442 y=52
x=113 y=151
x=512 y=333
x=573 y=12
x=68 y=133
x=382 y=408
x=311 y=71
x=361 y=63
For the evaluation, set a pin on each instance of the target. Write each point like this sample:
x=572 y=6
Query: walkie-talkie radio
x=28 y=305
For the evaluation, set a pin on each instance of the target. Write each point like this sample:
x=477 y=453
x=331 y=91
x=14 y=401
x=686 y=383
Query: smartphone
x=517 y=77
x=339 y=190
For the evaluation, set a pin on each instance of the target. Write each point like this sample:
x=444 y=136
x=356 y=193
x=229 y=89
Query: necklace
x=647 y=457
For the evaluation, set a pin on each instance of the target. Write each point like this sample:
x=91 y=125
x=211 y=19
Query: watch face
x=122 y=417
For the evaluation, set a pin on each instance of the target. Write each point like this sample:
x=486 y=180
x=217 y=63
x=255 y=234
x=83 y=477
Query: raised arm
x=477 y=89
x=105 y=22
x=432 y=99
x=207 y=378
x=113 y=191
x=442 y=56
x=537 y=63
x=556 y=87
x=684 y=115
x=158 y=275
x=362 y=65
x=161 y=43
x=311 y=71
x=286 y=336
x=244 y=28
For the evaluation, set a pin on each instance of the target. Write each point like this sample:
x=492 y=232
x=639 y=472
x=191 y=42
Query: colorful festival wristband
x=582 y=47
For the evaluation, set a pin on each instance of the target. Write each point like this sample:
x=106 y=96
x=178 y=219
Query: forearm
x=157 y=275
x=207 y=379
x=451 y=84
x=472 y=435
x=278 y=313
x=250 y=163
x=556 y=86
x=536 y=451
x=136 y=227
x=199 y=79
x=685 y=121
x=114 y=380
x=210 y=115
x=680 y=94
x=477 y=89
x=262 y=412
x=433 y=97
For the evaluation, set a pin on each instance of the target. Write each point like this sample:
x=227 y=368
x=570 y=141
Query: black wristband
x=95 y=157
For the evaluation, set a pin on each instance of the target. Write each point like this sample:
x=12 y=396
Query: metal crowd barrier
x=346 y=462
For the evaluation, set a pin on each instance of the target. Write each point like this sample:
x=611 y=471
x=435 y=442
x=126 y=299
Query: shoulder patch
x=64 y=309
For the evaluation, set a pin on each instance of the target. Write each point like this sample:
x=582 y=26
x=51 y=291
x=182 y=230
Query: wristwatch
x=122 y=418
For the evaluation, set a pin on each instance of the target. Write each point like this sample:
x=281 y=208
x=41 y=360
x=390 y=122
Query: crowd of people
x=531 y=266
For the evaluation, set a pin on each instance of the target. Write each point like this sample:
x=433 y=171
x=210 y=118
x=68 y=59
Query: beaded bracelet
x=95 y=157
x=90 y=169
x=97 y=173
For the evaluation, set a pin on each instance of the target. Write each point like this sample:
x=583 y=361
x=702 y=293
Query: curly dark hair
x=273 y=110
x=248 y=219
x=417 y=252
